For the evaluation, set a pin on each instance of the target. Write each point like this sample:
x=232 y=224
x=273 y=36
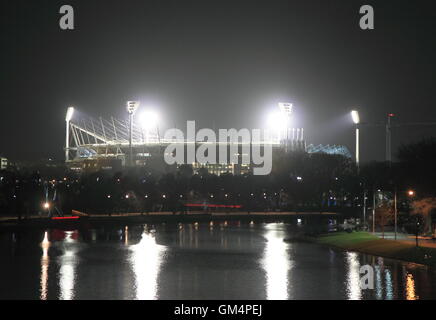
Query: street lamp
x=410 y=193
x=132 y=106
x=46 y=207
x=68 y=116
x=356 y=120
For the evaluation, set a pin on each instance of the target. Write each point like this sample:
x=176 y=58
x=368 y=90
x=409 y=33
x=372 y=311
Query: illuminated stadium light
x=68 y=117
x=277 y=121
x=132 y=106
x=70 y=113
x=355 y=117
x=285 y=108
x=148 y=119
x=356 y=120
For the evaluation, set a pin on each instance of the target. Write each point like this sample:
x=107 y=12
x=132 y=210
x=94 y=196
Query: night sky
x=222 y=63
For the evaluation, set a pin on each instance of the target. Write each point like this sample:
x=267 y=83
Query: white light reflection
x=146 y=259
x=276 y=263
x=378 y=283
x=389 y=287
x=45 y=261
x=353 y=277
x=67 y=271
x=378 y=278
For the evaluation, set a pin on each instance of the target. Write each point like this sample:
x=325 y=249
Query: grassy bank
x=367 y=243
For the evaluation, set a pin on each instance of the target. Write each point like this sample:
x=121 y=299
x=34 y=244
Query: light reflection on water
x=276 y=263
x=146 y=259
x=67 y=271
x=410 y=288
x=389 y=285
x=45 y=261
x=353 y=276
x=156 y=262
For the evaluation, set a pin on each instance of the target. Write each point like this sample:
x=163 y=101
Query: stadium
x=94 y=144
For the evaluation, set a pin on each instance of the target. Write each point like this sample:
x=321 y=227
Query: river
x=227 y=260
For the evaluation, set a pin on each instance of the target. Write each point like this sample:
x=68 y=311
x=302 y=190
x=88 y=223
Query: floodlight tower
x=132 y=106
x=286 y=111
x=356 y=119
x=68 y=116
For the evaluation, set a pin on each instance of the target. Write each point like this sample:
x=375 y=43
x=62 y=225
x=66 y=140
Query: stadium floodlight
x=278 y=124
x=69 y=115
x=132 y=106
x=277 y=121
x=285 y=108
x=355 y=117
x=356 y=120
x=148 y=119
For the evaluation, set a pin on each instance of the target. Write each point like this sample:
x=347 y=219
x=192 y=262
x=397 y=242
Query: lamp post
x=356 y=120
x=410 y=193
x=364 y=209
x=68 y=116
x=132 y=106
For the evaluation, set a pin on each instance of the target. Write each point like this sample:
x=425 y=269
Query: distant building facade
x=3 y=163
x=94 y=145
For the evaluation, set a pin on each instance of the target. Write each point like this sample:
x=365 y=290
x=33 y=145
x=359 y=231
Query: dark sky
x=222 y=63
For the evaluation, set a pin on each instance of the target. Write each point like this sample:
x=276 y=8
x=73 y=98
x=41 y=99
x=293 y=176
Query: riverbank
x=91 y=220
x=365 y=242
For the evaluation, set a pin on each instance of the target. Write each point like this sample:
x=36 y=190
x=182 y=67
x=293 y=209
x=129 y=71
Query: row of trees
x=299 y=181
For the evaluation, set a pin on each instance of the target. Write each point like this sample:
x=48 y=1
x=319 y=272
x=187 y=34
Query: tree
x=384 y=215
x=416 y=166
x=425 y=207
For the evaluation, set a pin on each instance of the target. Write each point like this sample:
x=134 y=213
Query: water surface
x=194 y=261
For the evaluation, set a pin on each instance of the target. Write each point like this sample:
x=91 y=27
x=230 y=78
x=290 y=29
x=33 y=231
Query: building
x=96 y=144
x=3 y=163
x=106 y=144
x=329 y=149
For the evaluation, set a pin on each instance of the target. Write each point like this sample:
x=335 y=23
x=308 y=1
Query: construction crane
x=388 y=129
